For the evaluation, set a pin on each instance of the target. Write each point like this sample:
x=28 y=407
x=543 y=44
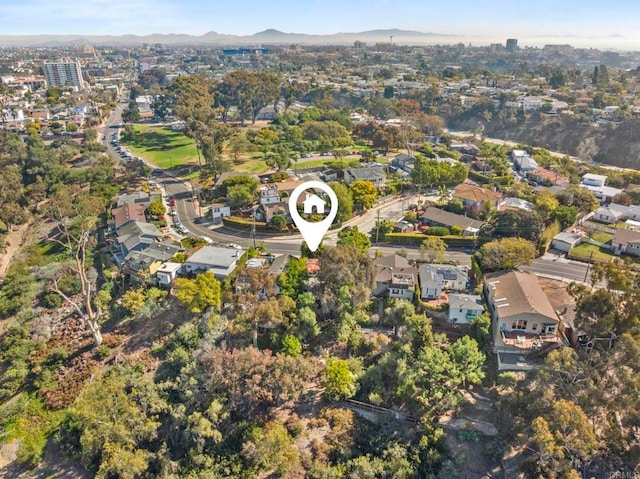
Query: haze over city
x=584 y=23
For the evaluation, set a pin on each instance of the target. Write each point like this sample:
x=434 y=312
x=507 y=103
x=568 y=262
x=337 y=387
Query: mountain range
x=266 y=37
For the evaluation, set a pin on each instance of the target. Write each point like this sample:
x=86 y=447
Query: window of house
x=461 y=310
x=534 y=326
x=519 y=325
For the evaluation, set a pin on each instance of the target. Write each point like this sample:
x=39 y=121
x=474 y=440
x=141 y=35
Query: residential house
x=38 y=114
x=288 y=186
x=532 y=103
x=511 y=203
x=475 y=197
x=542 y=176
x=220 y=210
x=373 y=172
x=433 y=216
x=268 y=194
x=266 y=113
x=395 y=277
x=523 y=162
x=523 y=320
x=614 y=212
x=147 y=261
x=135 y=236
x=590 y=179
x=564 y=241
x=464 y=307
x=403 y=226
x=438 y=278
x=137 y=197
x=167 y=272
x=128 y=212
x=220 y=261
x=466 y=148
x=626 y=242
x=403 y=164
x=596 y=184
x=267 y=212
x=329 y=175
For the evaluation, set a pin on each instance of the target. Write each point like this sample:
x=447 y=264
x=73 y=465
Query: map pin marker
x=313 y=232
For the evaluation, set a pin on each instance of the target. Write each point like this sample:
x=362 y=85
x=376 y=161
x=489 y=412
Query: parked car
x=207 y=239
x=234 y=245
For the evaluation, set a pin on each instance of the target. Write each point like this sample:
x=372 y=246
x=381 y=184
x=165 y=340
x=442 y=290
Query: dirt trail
x=12 y=244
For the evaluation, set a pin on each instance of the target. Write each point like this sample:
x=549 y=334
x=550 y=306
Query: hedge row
x=243 y=224
x=451 y=240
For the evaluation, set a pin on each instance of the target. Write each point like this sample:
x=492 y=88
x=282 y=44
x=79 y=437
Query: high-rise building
x=65 y=72
x=512 y=45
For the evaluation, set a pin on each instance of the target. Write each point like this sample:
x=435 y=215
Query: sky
x=615 y=21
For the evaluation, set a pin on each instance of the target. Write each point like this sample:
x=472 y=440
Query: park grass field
x=161 y=146
x=165 y=148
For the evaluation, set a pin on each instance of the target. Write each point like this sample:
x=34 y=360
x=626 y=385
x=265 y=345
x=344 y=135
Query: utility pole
x=378 y=227
x=253 y=228
x=586 y=273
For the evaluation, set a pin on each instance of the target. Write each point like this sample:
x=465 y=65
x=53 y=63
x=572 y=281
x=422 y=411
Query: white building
x=564 y=241
x=269 y=194
x=220 y=261
x=532 y=103
x=63 y=73
x=464 y=307
x=167 y=272
x=220 y=210
x=593 y=180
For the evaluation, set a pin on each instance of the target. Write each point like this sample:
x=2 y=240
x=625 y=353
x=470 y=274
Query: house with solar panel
x=438 y=278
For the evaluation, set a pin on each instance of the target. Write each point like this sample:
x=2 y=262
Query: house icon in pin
x=311 y=202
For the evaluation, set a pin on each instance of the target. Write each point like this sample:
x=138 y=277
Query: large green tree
x=364 y=194
x=518 y=223
x=339 y=381
x=351 y=237
x=345 y=200
x=200 y=293
x=506 y=253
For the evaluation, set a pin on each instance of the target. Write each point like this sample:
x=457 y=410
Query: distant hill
x=212 y=38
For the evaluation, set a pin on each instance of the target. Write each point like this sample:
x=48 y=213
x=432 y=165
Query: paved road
x=560 y=268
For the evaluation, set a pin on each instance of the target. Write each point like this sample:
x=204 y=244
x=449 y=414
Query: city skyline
x=586 y=23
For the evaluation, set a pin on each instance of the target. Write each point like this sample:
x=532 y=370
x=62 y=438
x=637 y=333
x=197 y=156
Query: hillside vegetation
x=616 y=144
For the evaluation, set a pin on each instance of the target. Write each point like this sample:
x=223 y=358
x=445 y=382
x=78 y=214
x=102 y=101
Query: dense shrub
x=438 y=231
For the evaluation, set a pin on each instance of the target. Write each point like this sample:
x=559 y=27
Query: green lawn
x=585 y=250
x=601 y=237
x=161 y=146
